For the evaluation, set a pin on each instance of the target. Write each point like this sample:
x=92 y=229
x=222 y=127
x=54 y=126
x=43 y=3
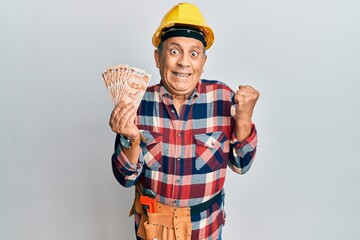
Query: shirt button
x=178 y=159
x=179 y=134
x=172 y=111
x=177 y=180
x=174 y=202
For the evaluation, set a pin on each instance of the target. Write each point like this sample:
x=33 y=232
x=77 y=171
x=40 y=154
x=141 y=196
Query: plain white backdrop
x=56 y=180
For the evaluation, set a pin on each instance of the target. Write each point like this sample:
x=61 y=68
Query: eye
x=194 y=54
x=174 y=51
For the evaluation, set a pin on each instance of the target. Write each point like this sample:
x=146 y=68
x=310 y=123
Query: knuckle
x=113 y=129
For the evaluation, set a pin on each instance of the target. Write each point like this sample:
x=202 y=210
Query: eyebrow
x=178 y=45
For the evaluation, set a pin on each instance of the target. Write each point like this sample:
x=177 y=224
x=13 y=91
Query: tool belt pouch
x=167 y=223
x=165 y=226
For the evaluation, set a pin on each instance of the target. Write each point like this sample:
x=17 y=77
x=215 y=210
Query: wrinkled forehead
x=184 y=43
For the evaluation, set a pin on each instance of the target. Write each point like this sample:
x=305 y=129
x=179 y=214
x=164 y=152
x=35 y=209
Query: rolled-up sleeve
x=242 y=154
x=124 y=171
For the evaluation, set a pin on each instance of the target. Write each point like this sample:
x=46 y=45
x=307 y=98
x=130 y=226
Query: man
x=184 y=134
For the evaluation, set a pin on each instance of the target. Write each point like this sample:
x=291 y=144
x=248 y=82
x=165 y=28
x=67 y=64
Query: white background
x=56 y=180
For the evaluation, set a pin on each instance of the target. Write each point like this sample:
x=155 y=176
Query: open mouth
x=181 y=74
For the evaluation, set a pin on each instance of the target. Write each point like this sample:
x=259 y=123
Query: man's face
x=181 y=63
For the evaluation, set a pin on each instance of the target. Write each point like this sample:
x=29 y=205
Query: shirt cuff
x=247 y=145
x=123 y=164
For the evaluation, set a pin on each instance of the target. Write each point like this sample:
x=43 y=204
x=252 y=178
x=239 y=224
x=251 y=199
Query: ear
x=203 y=62
x=157 y=58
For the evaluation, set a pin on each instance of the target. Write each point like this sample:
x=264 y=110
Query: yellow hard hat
x=184 y=14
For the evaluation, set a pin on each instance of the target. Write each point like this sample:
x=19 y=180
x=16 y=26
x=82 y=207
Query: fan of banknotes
x=126 y=83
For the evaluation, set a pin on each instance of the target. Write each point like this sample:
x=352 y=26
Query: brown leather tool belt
x=167 y=222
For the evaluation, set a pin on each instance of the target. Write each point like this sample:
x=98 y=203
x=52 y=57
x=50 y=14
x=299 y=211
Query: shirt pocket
x=152 y=149
x=209 y=151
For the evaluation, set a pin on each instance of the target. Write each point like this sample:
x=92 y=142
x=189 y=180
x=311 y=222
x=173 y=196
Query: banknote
x=125 y=83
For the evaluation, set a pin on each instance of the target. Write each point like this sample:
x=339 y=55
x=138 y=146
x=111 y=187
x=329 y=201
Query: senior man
x=175 y=148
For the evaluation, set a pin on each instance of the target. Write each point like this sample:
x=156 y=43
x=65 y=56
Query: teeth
x=182 y=74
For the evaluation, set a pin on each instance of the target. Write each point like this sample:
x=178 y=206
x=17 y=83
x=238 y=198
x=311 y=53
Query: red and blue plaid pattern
x=186 y=154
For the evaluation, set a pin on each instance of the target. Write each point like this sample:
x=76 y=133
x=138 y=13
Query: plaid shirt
x=186 y=154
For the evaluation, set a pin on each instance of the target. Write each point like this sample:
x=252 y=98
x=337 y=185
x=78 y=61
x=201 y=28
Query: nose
x=183 y=60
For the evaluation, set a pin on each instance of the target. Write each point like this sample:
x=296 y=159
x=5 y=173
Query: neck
x=178 y=101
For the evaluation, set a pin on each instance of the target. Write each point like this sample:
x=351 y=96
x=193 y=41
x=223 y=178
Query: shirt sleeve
x=124 y=171
x=242 y=154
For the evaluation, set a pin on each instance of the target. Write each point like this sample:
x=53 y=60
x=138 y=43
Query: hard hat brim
x=209 y=34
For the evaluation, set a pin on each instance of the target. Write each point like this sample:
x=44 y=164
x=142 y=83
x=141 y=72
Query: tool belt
x=167 y=222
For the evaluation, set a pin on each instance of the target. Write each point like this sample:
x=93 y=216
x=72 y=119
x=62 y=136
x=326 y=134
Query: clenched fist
x=246 y=98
